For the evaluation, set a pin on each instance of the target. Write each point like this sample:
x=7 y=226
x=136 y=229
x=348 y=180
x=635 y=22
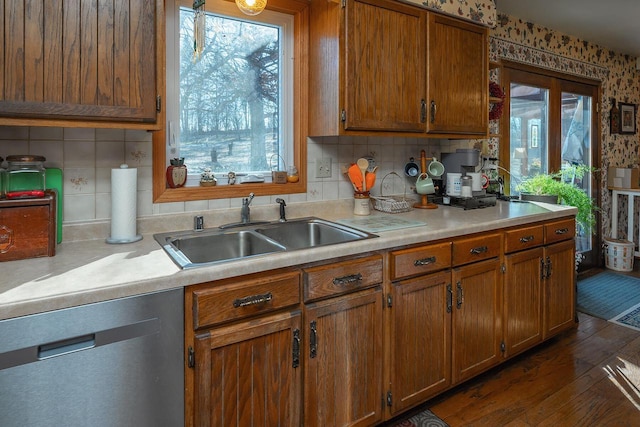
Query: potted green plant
x=563 y=191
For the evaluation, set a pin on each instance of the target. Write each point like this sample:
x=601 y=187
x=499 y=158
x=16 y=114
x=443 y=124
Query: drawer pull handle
x=562 y=230
x=252 y=300
x=449 y=298
x=479 y=250
x=526 y=239
x=424 y=261
x=347 y=280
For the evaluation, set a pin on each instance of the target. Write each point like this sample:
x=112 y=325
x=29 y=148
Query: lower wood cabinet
x=343 y=361
x=559 y=308
x=420 y=339
x=523 y=295
x=358 y=341
x=476 y=318
x=249 y=374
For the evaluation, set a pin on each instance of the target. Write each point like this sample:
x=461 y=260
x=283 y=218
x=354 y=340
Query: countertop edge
x=90 y=271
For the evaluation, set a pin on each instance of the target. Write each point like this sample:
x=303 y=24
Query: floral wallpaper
x=479 y=11
x=526 y=42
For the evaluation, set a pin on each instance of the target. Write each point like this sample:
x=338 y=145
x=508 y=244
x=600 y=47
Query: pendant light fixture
x=251 y=7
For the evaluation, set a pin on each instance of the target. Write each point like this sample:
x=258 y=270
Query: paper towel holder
x=133 y=237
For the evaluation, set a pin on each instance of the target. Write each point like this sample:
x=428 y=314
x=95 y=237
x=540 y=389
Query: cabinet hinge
x=503 y=268
x=296 y=348
x=389 y=301
x=389 y=399
x=191 y=357
x=503 y=347
x=343 y=116
x=158 y=103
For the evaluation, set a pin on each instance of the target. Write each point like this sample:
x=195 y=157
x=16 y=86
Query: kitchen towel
x=124 y=189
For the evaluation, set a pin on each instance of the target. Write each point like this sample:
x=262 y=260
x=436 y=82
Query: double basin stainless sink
x=191 y=249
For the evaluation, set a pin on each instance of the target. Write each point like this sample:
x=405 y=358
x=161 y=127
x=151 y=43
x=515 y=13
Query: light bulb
x=251 y=7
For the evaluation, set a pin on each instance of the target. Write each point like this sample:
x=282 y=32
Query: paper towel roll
x=124 y=189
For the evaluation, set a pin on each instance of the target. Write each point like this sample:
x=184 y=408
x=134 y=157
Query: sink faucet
x=245 y=212
x=283 y=218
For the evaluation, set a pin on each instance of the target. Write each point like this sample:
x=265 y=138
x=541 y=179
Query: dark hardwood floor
x=589 y=376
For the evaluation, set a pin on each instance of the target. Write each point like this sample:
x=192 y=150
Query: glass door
x=551 y=128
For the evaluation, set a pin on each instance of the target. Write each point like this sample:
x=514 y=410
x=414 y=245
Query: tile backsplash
x=88 y=155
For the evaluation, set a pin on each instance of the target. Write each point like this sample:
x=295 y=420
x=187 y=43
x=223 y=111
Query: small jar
x=292 y=174
x=361 y=205
x=465 y=187
x=25 y=177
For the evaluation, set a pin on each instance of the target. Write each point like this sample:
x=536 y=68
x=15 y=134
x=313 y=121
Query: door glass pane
x=576 y=148
x=528 y=132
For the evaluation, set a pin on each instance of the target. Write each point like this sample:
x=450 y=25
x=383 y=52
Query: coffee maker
x=458 y=168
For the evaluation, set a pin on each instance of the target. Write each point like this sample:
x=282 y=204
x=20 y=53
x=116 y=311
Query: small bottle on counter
x=361 y=203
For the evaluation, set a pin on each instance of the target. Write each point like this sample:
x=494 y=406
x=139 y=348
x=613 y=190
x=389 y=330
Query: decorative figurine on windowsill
x=207 y=178
x=231 y=176
x=176 y=173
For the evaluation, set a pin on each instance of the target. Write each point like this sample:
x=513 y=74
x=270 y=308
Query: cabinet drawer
x=342 y=277
x=245 y=298
x=476 y=248
x=559 y=230
x=424 y=259
x=523 y=238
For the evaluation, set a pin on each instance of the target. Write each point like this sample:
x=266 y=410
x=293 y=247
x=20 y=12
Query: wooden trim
x=162 y=194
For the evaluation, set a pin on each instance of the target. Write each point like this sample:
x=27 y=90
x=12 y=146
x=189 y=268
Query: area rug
x=425 y=418
x=607 y=295
x=629 y=318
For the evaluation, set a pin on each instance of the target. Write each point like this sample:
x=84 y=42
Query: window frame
x=162 y=194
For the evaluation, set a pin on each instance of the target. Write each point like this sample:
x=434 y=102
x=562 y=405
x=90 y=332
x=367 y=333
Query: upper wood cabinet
x=81 y=62
x=458 y=77
x=367 y=67
x=370 y=71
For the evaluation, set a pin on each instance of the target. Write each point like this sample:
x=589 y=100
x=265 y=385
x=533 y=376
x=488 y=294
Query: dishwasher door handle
x=67 y=346
x=25 y=355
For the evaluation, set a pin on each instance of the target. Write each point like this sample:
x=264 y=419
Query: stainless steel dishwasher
x=113 y=363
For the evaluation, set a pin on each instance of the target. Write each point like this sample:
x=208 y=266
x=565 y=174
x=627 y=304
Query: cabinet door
x=420 y=339
x=476 y=332
x=79 y=59
x=248 y=375
x=458 y=82
x=523 y=300
x=343 y=361
x=560 y=286
x=384 y=77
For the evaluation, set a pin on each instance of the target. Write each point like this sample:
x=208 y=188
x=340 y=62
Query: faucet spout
x=245 y=212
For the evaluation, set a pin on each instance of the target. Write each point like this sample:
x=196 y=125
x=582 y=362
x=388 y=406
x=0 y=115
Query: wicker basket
x=392 y=204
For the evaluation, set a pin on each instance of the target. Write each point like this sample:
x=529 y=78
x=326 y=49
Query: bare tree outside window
x=230 y=97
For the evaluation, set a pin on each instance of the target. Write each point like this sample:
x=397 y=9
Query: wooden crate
x=28 y=227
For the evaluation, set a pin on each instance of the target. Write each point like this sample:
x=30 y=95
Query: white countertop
x=90 y=271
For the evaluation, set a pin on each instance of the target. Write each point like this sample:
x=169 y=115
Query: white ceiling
x=612 y=24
